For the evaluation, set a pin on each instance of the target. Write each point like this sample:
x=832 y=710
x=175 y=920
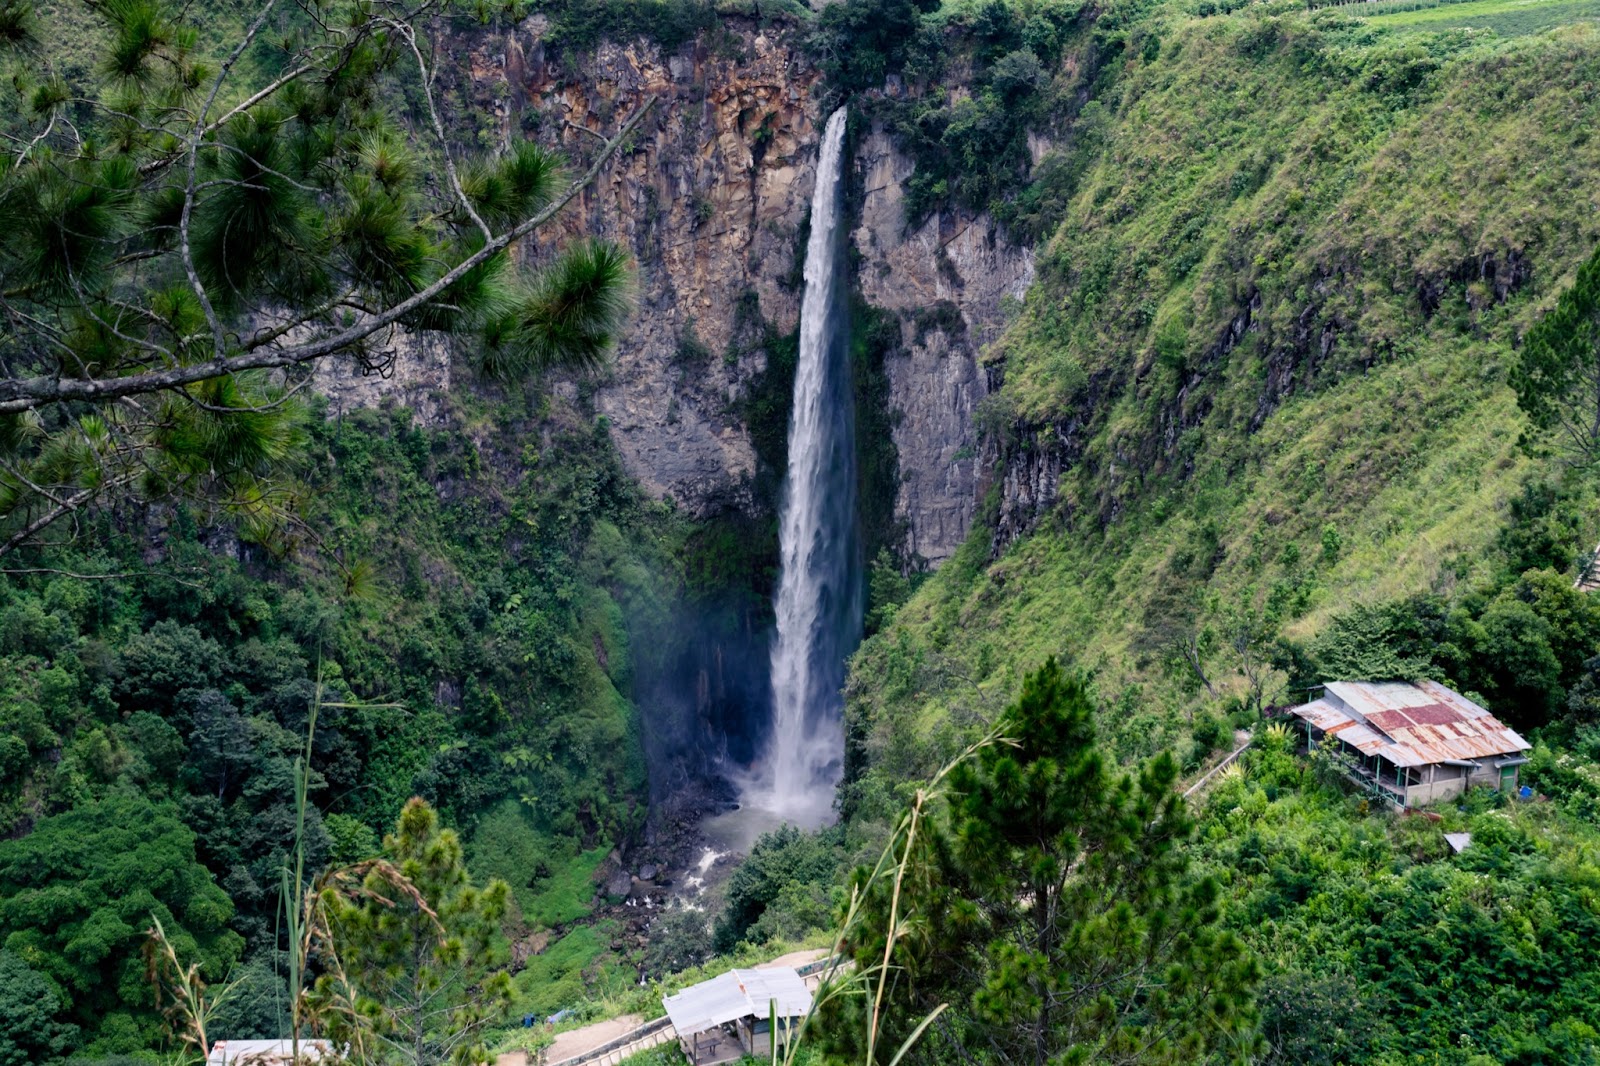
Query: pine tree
x=1557 y=373
x=183 y=235
x=415 y=966
x=1051 y=907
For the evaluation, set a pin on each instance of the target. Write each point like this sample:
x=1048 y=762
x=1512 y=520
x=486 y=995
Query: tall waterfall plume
x=819 y=599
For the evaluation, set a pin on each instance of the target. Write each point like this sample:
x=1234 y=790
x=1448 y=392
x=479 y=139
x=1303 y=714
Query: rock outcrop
x=947 y=279
x=418 y=376
x=710 y=198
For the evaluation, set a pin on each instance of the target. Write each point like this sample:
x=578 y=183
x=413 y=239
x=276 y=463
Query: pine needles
x=178 y=258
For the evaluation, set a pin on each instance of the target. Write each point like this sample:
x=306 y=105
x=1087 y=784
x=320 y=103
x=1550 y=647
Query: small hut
x=1413 y=744
x=731 y=1015
x=266 y=1052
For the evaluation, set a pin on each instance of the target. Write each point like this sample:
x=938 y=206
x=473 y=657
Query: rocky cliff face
x=947 y=279
x=712 y=198
x=709 y=198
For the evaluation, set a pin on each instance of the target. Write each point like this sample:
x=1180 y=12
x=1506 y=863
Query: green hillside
x=1270 y=342
x=1268 y=350
x=1507 y=18
x=470 y=612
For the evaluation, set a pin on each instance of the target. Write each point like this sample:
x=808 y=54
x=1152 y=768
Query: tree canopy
x=1052 y=908
x=415 y=962
x=31 y=1030
x=77 y=895
x=1557 y=373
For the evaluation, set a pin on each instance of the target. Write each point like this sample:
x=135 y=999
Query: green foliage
x=874 y=336
x=421 y=966
x=887 y=589
x=1383 y=947
x=568 y=893
x=581 y=24
x=505 y=847
x=1212 y=733
x=858 y=42
x=969 y=140
x=79 y=891
x=1313 y=1020
x=188 y=682
x=1507 y=18
x=1522 y=646
x=1055 y=911
x=255 y=1007
x=1228 y=351
x=349 y=839
x=32 y=1032
x=141 y=236
x=570 y=318
x=787 y=876
x=1386 y=642
x=679 y=939
x=1557 y=373
x=564 y=975
x=1545 y=530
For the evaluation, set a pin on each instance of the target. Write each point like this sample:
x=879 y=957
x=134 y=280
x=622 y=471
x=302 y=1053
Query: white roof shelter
x=738 y=994
x=263 y=1052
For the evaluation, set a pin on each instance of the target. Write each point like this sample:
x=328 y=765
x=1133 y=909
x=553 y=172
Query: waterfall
x=819 y=591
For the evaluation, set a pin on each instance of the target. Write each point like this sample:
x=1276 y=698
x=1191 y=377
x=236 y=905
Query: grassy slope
x=1338 y=172
x=1505 y=17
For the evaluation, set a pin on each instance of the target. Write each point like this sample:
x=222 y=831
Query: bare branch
x=410 y=34
x=61 y=510
x=102 y=577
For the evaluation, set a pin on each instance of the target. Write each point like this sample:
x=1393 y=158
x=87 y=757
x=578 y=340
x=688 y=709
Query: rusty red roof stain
x=1434 y=714
x=1389 y=721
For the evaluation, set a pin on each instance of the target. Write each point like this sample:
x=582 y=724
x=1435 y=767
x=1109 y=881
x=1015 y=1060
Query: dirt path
x=1242 y=740
x=575 y=1042
x=796 y=959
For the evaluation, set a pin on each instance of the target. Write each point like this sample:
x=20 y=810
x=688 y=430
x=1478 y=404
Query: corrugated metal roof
x=738 y=994
x=263 y=1052
x=1324 y=715
x=780 y=984
x=1410 y=724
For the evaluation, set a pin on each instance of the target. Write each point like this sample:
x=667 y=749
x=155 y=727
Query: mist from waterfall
x=819 y=592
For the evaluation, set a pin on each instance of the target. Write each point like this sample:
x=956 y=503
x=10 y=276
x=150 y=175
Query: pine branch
x=18 y=395
x=68 y=506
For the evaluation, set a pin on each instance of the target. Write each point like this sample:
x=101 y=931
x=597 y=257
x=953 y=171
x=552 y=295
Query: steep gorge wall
x=1209 y=274
x=712 y=198
x=947 y=280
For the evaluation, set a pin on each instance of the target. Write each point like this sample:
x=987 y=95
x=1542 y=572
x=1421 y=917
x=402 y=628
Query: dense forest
x=347 y=701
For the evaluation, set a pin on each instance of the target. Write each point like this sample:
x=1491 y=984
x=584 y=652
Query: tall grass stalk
x=292 y=896
x=896 y=861
x=192 y=1004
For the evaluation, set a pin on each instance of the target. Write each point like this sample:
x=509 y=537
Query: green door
x=1508 y=779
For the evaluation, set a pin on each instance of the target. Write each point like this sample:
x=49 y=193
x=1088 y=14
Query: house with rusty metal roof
x=1414 y=742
